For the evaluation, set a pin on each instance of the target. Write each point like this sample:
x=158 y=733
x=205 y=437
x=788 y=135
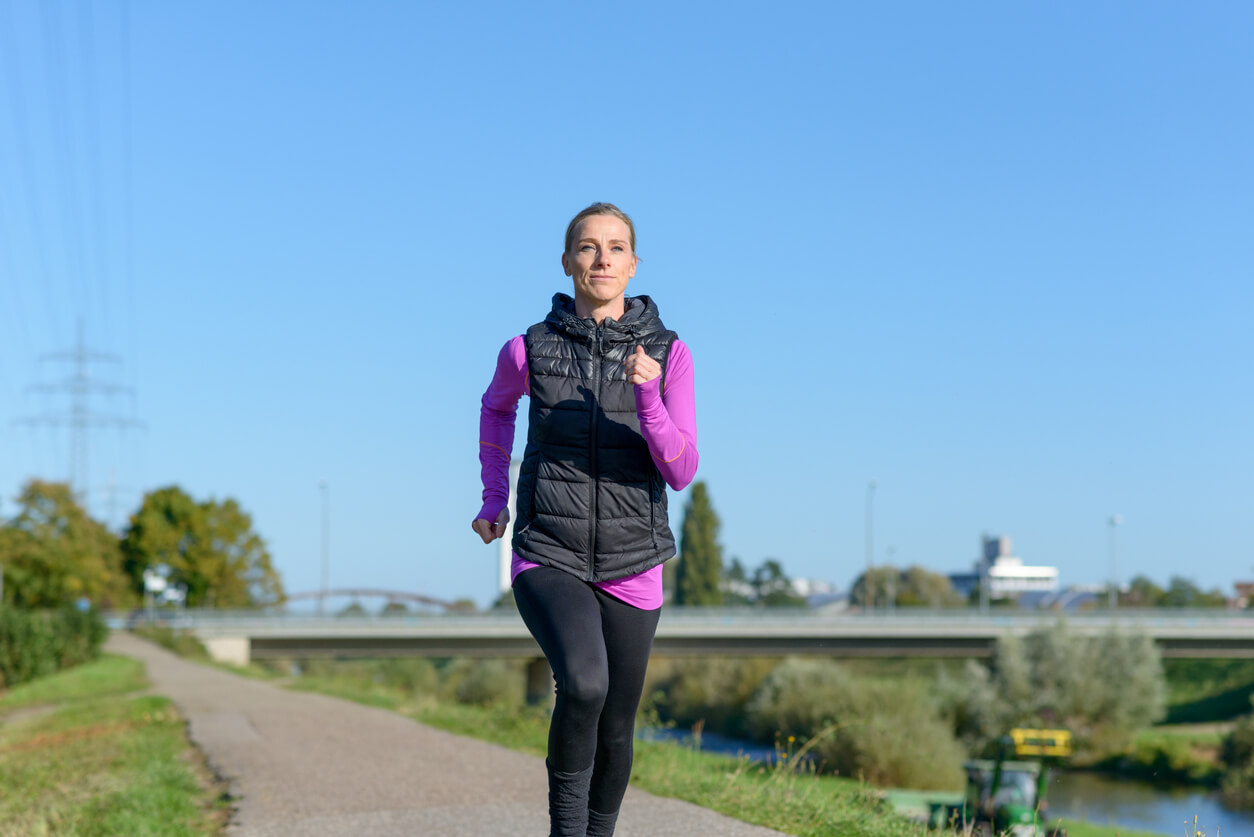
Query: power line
x=80 y=386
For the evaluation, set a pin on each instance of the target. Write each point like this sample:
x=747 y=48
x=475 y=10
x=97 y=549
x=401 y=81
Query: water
x=1106 y=801
x=711 y=742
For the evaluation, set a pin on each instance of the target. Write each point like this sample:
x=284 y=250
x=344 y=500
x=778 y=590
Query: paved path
x=310 y=765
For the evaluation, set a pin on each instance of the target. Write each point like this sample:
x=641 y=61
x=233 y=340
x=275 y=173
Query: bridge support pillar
x=539 y=682
x=232 y=650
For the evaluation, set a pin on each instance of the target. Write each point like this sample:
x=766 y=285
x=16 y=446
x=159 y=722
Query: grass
x=1201 y=691
x=82 y=754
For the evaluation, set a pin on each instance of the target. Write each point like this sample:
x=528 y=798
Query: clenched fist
x=491 y=531
x=641 y=368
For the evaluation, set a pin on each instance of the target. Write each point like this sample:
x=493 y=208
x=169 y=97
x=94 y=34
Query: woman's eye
x=586 y=247
x=618 y=248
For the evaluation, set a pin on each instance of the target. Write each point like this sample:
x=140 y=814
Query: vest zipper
x=592 y=524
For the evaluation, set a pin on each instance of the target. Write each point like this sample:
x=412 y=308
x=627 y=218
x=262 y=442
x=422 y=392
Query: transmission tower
x=79 y=417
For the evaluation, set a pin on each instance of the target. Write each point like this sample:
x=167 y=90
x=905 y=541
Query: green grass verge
x=97 y=760
x=1201 y=691
x=1078 y=828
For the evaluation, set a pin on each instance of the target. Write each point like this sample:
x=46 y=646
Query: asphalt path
x=304 y=764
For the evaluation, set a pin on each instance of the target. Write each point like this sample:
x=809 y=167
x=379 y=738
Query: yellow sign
x=1041 y=742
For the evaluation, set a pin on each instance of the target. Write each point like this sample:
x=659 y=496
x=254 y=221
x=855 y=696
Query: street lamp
x=1113 y=595
x=870 y=544
x=326 y=548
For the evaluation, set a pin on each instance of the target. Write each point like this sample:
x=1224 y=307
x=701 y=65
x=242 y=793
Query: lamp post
x=326 y=548
x=1113 y=596
x=870 y=544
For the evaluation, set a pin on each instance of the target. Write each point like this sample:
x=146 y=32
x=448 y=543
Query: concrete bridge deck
x=239 y=637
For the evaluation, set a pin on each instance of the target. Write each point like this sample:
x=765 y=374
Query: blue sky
x=995 y=257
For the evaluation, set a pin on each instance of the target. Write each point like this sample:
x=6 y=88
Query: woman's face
x=600 y=259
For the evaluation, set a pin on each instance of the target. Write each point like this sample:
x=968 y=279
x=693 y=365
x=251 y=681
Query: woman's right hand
x=491 y=531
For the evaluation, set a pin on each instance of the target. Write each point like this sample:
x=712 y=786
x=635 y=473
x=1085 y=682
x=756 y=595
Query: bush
x=887 y=733
x=713 y=691
x=486 y=682
x=1103 y=689
x=36 y=643
x=1237 y=753
x=181 y=642
x=412 y=675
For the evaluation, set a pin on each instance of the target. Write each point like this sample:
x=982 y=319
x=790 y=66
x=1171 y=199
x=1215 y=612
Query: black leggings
x=598 y=648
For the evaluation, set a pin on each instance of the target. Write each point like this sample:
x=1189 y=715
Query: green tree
x=700 y=556
x=772 y=588
x=210 y=547
x=737 y=590
x=53 y=553
x=1184 y=593
x=1142 y=592
x=913 y=587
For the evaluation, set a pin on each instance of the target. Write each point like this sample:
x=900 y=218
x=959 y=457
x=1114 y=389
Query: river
x=1106 y=801
x=1092 y=797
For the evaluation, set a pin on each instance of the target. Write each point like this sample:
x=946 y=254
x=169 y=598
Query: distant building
x=1006 y=575
x=1245 y=593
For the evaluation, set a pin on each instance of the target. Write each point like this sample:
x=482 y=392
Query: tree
x=1184 y=593
x=737 y=591
x=771 y=588
x=53 y=553
x=1142 y=592
x=210 y=547
x=914 y=587
x=700 y=556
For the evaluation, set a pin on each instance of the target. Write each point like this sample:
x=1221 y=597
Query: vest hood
x=639 y=319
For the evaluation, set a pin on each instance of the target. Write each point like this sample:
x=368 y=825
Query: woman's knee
x=586 y=686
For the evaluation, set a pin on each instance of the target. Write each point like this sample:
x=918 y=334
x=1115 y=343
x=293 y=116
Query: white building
x=1006 y=575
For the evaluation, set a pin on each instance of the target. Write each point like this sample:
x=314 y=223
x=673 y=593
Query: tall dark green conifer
x=700 y=557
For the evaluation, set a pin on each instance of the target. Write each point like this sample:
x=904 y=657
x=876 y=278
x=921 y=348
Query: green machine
x=1006 y=795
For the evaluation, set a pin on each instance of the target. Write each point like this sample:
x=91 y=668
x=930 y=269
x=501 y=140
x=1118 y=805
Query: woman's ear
x=565 y=265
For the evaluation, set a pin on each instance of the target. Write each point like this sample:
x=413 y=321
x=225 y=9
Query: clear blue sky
x=996 y=257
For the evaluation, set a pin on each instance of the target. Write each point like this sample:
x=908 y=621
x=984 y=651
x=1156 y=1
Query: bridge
x=239 y=637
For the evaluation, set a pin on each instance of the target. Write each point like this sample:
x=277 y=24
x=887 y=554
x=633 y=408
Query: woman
x=612 y=422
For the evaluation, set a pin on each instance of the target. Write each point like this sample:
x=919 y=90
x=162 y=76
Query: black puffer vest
x=590 y=500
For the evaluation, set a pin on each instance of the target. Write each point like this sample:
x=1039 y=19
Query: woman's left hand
x=641 y=368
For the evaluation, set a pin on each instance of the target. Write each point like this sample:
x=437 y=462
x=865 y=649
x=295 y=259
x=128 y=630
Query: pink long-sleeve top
x=668 y=422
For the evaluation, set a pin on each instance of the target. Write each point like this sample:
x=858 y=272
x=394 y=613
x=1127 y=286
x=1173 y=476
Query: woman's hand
x=491 y=531
x=641 y=368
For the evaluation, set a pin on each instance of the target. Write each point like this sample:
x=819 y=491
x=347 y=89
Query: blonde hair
x=599 y=209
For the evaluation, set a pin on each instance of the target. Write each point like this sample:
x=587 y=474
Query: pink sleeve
x=496 y=426
x=668 y=421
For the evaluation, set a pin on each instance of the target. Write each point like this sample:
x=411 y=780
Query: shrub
x=1237 y=753
x=181 y=642
x=713 y=691
x=1103 y=689
x=36 y=643
x=884 y=732
x=412 y=675
x=485 y=682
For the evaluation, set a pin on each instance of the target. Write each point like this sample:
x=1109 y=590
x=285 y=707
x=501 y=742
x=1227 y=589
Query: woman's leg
x=563 y=614
x=628 y=633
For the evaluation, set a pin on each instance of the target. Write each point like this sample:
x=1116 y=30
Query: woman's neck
x=598 y=310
